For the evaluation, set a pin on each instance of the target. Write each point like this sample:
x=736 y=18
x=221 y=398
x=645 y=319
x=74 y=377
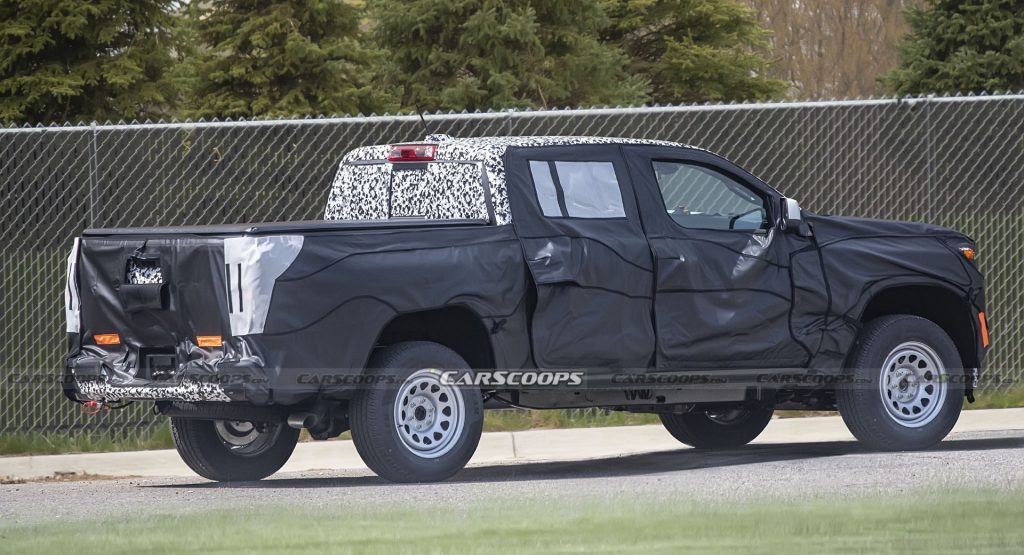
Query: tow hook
x=92 y=407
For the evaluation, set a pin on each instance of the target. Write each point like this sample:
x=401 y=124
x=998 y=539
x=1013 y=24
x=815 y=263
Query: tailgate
x=146 y=313
x=166 y=291
x=154 y=293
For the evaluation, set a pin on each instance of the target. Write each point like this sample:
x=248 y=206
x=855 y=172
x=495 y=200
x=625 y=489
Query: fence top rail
x=517 y=114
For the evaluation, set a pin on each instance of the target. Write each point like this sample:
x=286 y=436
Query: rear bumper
x=95 y=375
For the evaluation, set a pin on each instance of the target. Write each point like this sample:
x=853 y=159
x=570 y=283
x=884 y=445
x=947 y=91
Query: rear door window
x=577 y=189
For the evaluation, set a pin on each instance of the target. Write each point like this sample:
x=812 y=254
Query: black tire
x=860 y=397
x=375 y=429
x=719 y=429
x=201 y=447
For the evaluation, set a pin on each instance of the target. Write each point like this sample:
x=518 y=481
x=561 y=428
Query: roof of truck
x=483 y=148
x=352 y=191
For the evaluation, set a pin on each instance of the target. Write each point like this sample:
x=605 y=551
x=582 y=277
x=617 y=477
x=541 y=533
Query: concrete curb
x=495 y=447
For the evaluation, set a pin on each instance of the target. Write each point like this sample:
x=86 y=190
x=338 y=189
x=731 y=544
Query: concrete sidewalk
x=495 y=447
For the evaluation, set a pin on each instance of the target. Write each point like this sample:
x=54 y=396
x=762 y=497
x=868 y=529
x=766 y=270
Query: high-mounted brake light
x=107 y=339
x=411 y=153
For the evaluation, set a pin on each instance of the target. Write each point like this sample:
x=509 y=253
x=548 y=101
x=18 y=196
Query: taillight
x=411 y=153
x=209 y=341
x=983 y=322
x=107 y=339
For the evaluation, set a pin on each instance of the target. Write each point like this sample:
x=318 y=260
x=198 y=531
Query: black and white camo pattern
x=137 y=274
x=359 y=193
x=437 y=192
x=189 y=389
x=356 y=195
x=440 y=192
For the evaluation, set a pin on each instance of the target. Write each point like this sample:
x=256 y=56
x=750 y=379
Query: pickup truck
x=540 y=272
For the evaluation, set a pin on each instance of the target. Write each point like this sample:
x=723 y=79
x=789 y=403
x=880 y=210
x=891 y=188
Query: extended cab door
x=724 y=281
x=575 y=213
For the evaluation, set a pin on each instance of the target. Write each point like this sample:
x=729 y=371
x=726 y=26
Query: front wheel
x=906 y=388
x=419 y=429
x=230 y=451
x=719 y=428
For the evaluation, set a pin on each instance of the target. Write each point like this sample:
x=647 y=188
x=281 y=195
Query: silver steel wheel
x=913 y=384
x=429 y=414
x=247 y=439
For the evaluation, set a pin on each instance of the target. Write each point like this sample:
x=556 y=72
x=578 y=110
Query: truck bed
x=262 y=290
x=306 y=226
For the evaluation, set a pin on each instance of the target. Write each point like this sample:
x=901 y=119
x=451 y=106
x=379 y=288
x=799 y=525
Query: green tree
x=694 y=50
x=961 y=46
x=487 y=54
x=278 y=58
x=63 y=60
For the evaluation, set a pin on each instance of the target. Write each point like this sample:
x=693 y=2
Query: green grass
x=953 y=522
x=57 y=443
x=997 y=399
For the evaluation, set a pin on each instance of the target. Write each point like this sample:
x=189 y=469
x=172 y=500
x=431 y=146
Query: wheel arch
x=457 y=327
x=943 y=305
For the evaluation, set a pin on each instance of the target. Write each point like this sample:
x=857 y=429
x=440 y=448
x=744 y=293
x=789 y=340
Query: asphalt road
x=993 y=460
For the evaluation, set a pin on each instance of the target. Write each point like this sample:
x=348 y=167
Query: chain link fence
x=955 y=161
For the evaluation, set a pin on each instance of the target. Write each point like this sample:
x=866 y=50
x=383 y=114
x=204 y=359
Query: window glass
x=698 y=197
x=441 y=191
x=545 y=186
x=577 y=189
x=434 y=191
x=591 y=189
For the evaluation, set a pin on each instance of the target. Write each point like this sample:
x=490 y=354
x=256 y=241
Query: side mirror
x=792 y=217
x=791 y=213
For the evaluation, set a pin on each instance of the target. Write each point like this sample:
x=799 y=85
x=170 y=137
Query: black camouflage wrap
x=637 y=292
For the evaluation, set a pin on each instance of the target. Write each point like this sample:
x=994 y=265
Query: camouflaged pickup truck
x=451 y=275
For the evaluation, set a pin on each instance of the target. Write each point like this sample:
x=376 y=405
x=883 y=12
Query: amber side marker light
x=107 y=339
x=209 y=340
x=984 y=329
x=968 y=253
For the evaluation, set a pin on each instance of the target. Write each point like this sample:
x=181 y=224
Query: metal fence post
x=929 y=132
x=93 y=172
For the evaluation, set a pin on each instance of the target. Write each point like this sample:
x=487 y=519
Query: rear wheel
x=421 y=429
x=719 y=428
x=906 y=384
x=228 y=450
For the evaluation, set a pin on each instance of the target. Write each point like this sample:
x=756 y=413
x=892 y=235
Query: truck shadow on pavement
x=627 y=465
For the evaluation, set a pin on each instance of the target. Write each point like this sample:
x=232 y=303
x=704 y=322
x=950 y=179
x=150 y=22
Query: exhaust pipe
x=300 y=420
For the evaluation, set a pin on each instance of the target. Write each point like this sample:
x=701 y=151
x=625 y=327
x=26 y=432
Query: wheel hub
x=234 y=432
x=913 y=384
x=246 y=438
x=429 y=415
x=728 y=417
x=420 y=413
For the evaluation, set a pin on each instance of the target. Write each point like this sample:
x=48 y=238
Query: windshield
x=373 y=190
